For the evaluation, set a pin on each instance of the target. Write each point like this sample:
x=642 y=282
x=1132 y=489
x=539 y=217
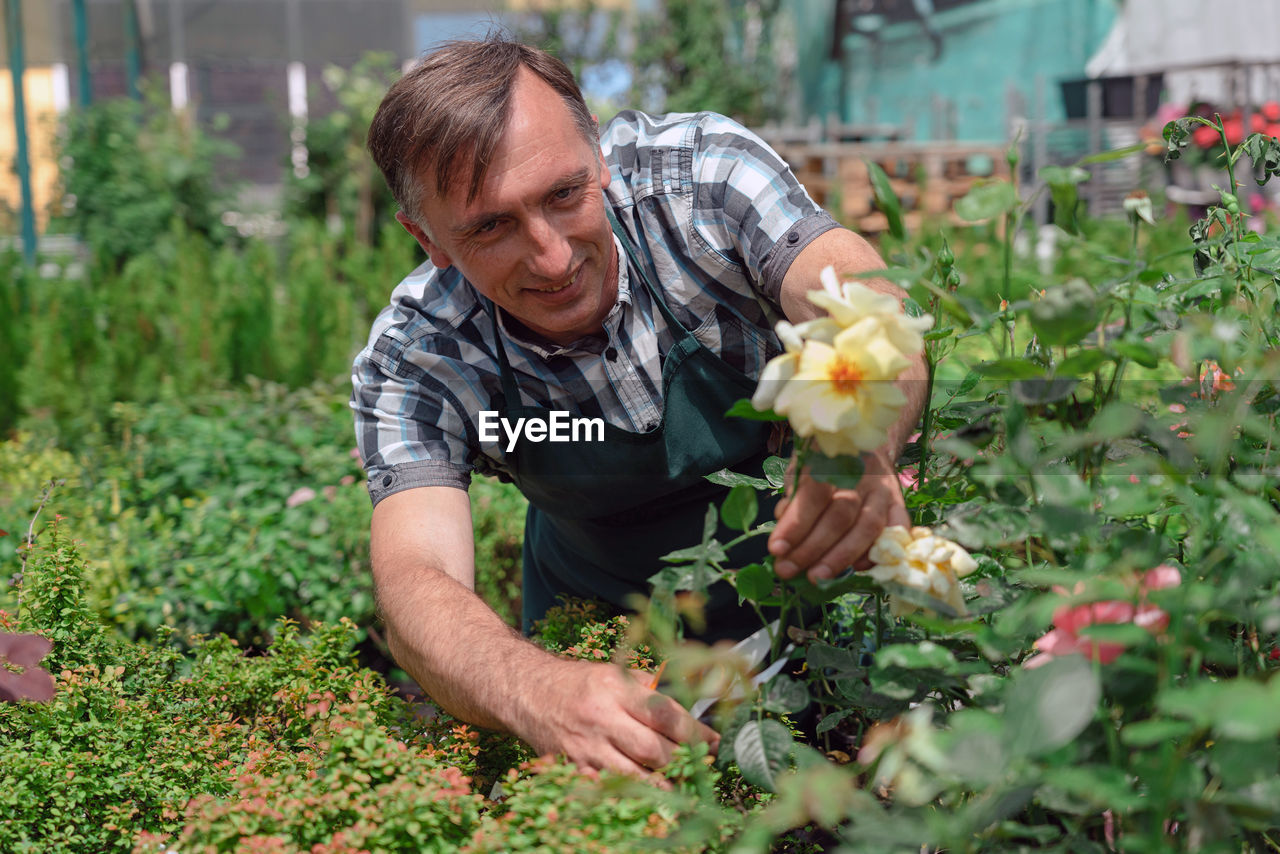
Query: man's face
x=536 y=239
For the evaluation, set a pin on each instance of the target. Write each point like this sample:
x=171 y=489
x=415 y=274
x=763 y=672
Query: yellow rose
x=842 y=394
x=920 y=559
x=850 y=302
x=835 y=380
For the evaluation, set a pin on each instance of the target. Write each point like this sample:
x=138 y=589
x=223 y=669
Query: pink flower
x=354 y=454
x=1069 y=620
x=908 y=477
x=301 y=495
x=1162 y=577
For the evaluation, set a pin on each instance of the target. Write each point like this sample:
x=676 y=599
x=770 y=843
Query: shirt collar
x=547 y=349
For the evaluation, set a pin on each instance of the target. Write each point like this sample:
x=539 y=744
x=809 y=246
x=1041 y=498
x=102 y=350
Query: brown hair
x=451 y=110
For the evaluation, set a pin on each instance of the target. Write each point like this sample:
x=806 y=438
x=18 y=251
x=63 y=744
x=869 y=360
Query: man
x=633 y=278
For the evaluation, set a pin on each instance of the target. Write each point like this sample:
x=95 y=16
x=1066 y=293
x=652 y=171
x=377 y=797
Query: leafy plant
x=1105 y=446
x=133 y=171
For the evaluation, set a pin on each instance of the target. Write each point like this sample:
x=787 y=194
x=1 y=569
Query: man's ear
x=605 y=177
x=434 y=252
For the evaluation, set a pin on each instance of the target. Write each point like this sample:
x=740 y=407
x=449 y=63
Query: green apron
x=602 y=514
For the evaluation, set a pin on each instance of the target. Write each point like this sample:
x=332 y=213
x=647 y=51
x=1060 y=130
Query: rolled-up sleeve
x=750 y=205
x=411 y=419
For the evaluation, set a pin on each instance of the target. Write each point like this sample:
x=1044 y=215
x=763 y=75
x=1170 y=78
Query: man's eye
x=486 y=228
x=564 y=193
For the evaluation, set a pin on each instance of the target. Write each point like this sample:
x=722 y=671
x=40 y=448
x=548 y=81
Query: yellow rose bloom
x=835 y=380
x=918 y=558
x=842 y=394
x=850 y=302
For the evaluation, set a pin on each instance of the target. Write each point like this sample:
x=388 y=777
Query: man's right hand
x=602 y=716
x=480 y=670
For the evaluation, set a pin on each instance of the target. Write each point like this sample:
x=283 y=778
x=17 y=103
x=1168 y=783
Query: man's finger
x=852 y=547
x=667 y=717
x=840 y=515
x=807 y=506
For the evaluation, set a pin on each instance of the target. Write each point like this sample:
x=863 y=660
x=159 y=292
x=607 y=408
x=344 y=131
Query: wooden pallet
x=927 y=177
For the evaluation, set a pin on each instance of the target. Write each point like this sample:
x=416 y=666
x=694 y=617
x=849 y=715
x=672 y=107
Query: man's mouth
x=555 y=289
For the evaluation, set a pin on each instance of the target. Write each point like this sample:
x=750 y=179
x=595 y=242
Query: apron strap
x=654 y=294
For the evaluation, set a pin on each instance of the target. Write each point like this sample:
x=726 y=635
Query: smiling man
x=630 y=277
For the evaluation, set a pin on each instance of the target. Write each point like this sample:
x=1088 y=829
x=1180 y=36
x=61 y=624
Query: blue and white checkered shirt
x=714 y=211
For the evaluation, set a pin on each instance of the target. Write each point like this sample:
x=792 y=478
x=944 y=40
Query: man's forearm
x=455 y=647
x=914 y=382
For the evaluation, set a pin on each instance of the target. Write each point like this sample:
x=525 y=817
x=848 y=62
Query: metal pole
x=82 y=51
x=13 y=23
x=133 y=59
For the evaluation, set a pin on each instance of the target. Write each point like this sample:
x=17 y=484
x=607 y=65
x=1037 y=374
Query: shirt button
x=387 y=479
x=611 y=354
x=793 y=238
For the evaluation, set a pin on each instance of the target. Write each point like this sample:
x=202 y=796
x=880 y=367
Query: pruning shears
x=755 y=648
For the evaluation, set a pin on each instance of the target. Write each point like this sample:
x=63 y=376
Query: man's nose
x=550 y=255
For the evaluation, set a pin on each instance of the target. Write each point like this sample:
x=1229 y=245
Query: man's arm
x=822 y=530
x=480 y=670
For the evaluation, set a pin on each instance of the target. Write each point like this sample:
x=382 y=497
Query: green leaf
x=940 y=334
x=724 y=477
x=743 y=409
x=886 y=199
x=740 y=507
x=694 y=576
x=1101 y=785
x=775 y=471
x=1235 y=708
x=1141 y=352
x=1009 y=369
x=987 y=200
x=831 y=721
x=1157 y=731
x=1065 y=314
x=1065 y=175
x=969 y=383
x=828 y=589
x=1264 y=152
x=920 y=656
x=1113 y=154
x=843 y=472
x=1081 y=363
x=785 y=695
x=823 y=656
x=1062 y=181
x=1039 y=391
x=1048 y=706
x=754 y=582
x=762 y=750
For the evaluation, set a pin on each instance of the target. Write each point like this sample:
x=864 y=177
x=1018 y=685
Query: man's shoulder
x=632 y=129
x=428 y=303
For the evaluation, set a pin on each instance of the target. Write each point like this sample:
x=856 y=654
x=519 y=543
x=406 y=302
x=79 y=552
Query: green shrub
x=133 y=171
x=221 y=512
x=147 y=749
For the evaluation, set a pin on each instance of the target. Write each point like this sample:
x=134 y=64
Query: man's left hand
x=822 y=530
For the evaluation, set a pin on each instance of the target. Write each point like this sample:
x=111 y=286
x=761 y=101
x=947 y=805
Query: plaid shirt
x=713 y=211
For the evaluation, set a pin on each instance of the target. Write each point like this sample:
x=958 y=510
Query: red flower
x=1070 y=620
x=1205 y=136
